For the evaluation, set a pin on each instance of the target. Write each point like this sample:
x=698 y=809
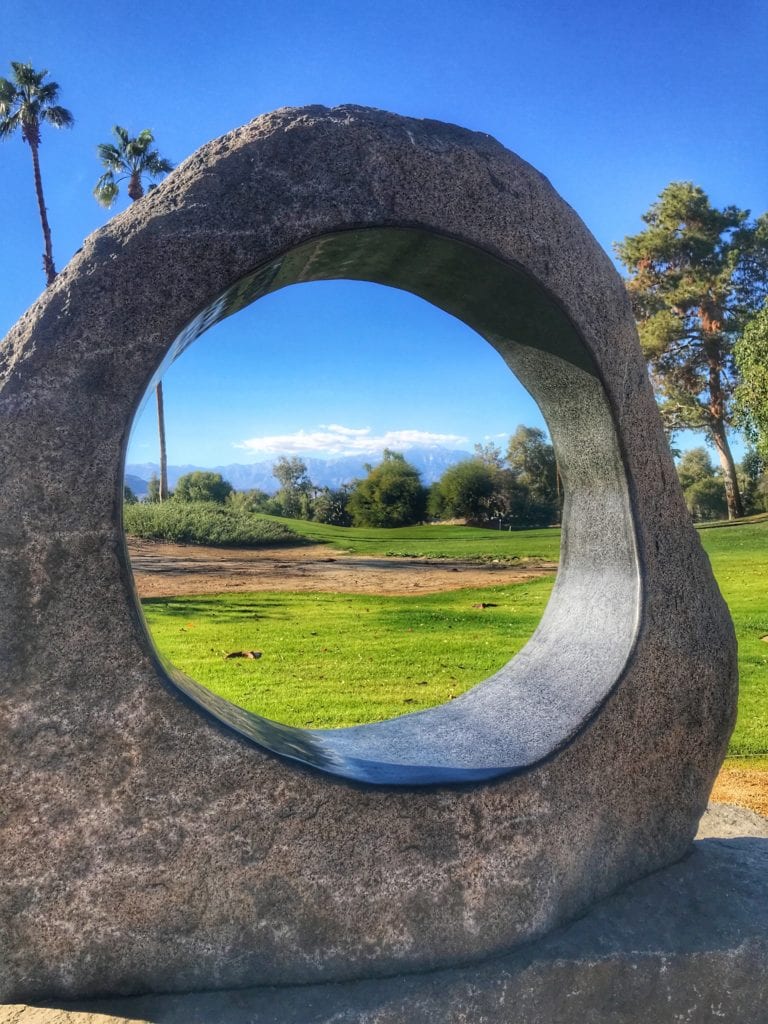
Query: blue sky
x=610 y=101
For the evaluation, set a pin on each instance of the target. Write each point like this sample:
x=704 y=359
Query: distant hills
x=430 y=461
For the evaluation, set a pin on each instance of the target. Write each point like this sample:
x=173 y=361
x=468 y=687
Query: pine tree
x=697 y=275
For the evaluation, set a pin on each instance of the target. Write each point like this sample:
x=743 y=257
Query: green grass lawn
x=739 y=557
x=342 y=659
x=330 y=659
x=432 y=541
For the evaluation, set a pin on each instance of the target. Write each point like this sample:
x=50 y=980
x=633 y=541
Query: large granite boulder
x=155 y=838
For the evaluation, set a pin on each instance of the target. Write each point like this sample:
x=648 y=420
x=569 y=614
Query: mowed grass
x=739 y=557
x=330 y=659
x=342 y=659
x=432 y=541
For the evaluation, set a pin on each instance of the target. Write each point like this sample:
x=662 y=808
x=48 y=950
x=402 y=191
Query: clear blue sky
x=611 y=101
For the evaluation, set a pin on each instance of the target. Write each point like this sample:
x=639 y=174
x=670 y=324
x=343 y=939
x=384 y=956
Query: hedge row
x=204 y=522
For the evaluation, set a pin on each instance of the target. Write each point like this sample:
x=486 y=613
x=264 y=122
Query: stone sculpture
x=154 y=837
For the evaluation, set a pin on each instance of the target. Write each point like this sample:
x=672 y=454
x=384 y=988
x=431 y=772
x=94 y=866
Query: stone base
x=686 y=945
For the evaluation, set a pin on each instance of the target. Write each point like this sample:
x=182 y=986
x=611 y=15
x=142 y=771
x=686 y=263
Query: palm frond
x=48 y=93
x=110 y=156
x=8 y=95
x=106 y=190
x=59 y=117
x=26 y=76
x=155 y=164
x=121 y=135
x=9 y=124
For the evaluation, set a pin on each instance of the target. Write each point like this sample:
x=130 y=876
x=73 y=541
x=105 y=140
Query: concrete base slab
x=686 y=945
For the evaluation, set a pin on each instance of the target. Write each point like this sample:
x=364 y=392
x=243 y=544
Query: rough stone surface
x=147 y=847
x=685 y=946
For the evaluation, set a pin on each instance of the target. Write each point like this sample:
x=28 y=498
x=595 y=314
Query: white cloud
x=335 y=428
x=332 y=439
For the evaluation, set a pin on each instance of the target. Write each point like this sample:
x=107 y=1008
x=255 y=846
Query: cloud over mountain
x=335 y=440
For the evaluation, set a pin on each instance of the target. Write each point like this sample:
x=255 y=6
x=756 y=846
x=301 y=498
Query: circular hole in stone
x=534 y=702
x=344 y=625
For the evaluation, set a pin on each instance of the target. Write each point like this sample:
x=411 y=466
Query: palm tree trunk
x=163 y=454
x=48 y=265
x=135 y=188
x=732 y=492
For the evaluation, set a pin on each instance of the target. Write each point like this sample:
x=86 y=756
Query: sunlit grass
x=433 y=541
x=338 y=659
x=343 y=659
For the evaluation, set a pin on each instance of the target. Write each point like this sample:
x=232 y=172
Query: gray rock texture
x=687 y=945
x=155 y=838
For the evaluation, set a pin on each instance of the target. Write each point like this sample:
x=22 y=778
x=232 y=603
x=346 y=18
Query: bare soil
x=746 y=787
x=170 y=570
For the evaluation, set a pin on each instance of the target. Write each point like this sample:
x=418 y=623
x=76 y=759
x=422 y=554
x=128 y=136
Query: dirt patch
x=170 y=570
x=746 y=787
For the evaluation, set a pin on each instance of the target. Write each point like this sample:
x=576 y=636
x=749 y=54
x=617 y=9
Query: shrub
x=706 y=499
x=391 y=495
x=464 y=490
x=202 y=485
x=694 y=466
x=204 y=522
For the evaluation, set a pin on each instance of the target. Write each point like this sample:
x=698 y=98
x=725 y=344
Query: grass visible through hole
x=338 y=659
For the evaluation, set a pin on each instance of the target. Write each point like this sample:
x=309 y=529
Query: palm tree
x=27 y=102
x=134 y=159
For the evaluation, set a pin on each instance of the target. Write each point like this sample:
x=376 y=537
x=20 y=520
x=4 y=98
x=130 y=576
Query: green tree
x=694 y=465
x=702 y=485
x=392 y=494
x=489 y=454
x=751 y=354
x=465 y=490
x=706 y=499
x=128 y=496
x=331 y=506
x=153 y=488
x=254 y=500
x=27 y=102
x=697 y=275
x=291 y=474
x=532 y=463
x=202 y=485
x=753 y=480
x=134 y=159
x=294 y=498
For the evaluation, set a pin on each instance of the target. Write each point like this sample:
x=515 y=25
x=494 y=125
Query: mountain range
x=430 y=461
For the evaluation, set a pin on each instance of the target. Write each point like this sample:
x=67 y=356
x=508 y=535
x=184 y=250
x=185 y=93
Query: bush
x=465 y=490
x=254 y=500
x=202 y=485
x=204 y=522
x=694 y=466
x=330 y=506
x=391 y=495
x=706 y=499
